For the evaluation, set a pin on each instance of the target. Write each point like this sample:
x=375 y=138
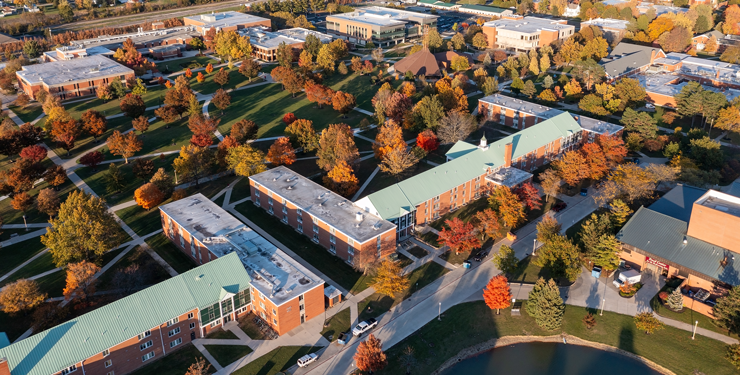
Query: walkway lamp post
x=696 y=323
x=534 y=247
x=439 y=314
x=603 y=301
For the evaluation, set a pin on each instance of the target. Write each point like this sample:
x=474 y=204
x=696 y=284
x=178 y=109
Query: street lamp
x=695 y=325
x=534 y=247
x=603 y=301
x=439 y=315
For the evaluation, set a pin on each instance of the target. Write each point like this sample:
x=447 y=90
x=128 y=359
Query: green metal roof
x=59 y=347
x=470 y=162
x=437 y=3
x=663 y=236
x=484 y=8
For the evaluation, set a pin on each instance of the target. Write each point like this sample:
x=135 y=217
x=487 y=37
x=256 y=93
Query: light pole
x=534 y=247
x=439 y=314
x=695 y=325
x=603 y=301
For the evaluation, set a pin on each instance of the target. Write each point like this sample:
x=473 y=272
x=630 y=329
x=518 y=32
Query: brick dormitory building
x=283 y=292
x=132 y=332
x=325 y=217
x=545 y=134
x=692 y=234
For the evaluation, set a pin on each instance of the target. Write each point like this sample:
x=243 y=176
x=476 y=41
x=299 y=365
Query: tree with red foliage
x=370 y=356
x=595 y=160
x=613 y=149
x=427 y=140
x=200 y=125
x=367 y=67
x=460 y=237
x=34 y=153
x=133 y=105
x=396 y=106
x=488 y=224
x=529 y=195
x=289 y=118
x=201 y=140
x=318 y=94
x=281 y=152
x=92 y=159
x=497 y=294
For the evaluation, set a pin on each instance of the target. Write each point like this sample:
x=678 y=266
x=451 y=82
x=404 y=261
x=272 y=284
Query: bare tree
x=378 y=55
x=455 y=126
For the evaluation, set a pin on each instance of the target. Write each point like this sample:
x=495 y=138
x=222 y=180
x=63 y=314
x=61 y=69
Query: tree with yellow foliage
x=408 y=89
x=21 y=295
x=389 y=279
x=342 y=180
x=80 y=280
x=389 y=137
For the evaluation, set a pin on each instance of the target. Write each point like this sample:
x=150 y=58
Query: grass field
x=227 y=354
x=159 y=138
x=170 y=253
x=150 y=271
x=468 y=324
x=14 y=255
x=177 y=65
x=275 y=361
x=337 y=324
x=153 y=96
x=333 y=267
x=377 y=304
x=174 y=363
x=27 y=113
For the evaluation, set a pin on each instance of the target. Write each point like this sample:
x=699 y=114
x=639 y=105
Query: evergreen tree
x=545 y=305
x=505 y=259
x=727 y=310
x=114 y=180
x=675 y=300
x=605 y=252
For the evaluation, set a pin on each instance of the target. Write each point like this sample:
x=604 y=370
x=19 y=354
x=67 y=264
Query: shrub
x=663 y=296
x=179 y=194
x=589 y=321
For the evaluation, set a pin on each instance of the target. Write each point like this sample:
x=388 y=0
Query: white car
x=650 y=106
x=307 y=359
x=364 y=327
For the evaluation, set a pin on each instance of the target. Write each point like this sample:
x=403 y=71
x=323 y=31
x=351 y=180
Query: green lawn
x=96 y=179
x=53 y=284
x=469 y=324
x=473 y=102
x=431 y=238
x=150 y=272
x=176 y=65
x=418 y=252
x=86 y=143
x=174 y=363
x=227 y=354
x=170 y=253
x=687 y=316
x=12 y=216
x=236 y=80
x=153 y=96
x=221 y=334
x=266 y=105
x=464 y=213
x=275 y=361
x=158 y=138
x=14 y=255
x=528 y=273
x=240 y=190
x=333 y=267
x=27 y=113
x=337 y=324
x=378 y=303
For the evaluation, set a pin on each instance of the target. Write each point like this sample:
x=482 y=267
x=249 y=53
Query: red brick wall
x=449 y=200
x=202 y=255
x=71 y=90
x=288 y=314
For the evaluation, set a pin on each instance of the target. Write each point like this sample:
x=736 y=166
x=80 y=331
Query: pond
x=549 y=359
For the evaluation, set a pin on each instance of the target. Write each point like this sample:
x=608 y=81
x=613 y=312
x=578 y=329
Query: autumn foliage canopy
x=459 y=236
x=497 y=293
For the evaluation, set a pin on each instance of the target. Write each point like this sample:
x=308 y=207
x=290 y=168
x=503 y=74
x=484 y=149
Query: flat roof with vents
x=66 y=72
x=323 y=204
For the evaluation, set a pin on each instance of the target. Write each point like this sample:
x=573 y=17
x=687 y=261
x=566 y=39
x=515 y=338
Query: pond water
x=549 y=359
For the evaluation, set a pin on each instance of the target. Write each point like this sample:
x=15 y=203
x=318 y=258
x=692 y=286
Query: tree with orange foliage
x=94 y=123
x=370 y=356
x=200 y=125
x=595 y=160
x=732 y=17
x=497 y=294
x=408 y=89
x=318 y=94
x=336 y=143
x=488 y=224
x=288 y=118
x=427 y=140
x=460 y=237
x=188 y=73
x=342 y=180
x=200 y=77
x=80 y=280
x=659 y=26
x=124 y=145
x=389 y=137
x=21 y=201
x=223 y=149
x=613 y=149
x=209 y=68
x=529 y=195
x=148 y=196
x=141 y=124
x=343 y=102
x=168 y=83
x=508 y=206
x=281 y=152
x=572 y=167
x=65 y=133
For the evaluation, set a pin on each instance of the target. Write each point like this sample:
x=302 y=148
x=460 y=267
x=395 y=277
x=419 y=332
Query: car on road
x=559 y=206
x=364 y=327
x=307 y=359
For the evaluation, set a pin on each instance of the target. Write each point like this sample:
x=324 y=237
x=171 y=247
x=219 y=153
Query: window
x=262 y=296
x=315 y=238
x=299 y=214
x=262 y=304
x=217 y=322
x=182 y=239
x=262 y=314
x=379 y=242
x=269 y=201
x=108 y=363
x=147 y=356
x=274 y=312
x=289 y=308
x=274 y=321
x=192 y=249
x=285 y=218
x=106 y=353
x=111 y=373
x=190 y=315
x=315 y=228
x=173 y=321
x=333 y=249
x=145 y=334
x=285 y=209
x=145 y=345
x=69 y=369
x=192 y=325
x=332 y=239
x=257 y=192
x=351 y=250
x=176 y=343
x=270 y=210
x=173 y=332
x=300 y=226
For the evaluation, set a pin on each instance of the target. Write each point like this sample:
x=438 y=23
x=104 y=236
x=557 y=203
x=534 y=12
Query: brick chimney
x=4 y=369
x=508 y=148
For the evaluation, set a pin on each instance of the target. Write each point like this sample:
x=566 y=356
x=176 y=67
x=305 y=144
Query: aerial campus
x=338 y=187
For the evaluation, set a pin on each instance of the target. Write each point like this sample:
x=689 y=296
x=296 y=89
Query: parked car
x=559 y=206
x=307 y=359
x=584 y=191
x=364 y=327
x=650 y=106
